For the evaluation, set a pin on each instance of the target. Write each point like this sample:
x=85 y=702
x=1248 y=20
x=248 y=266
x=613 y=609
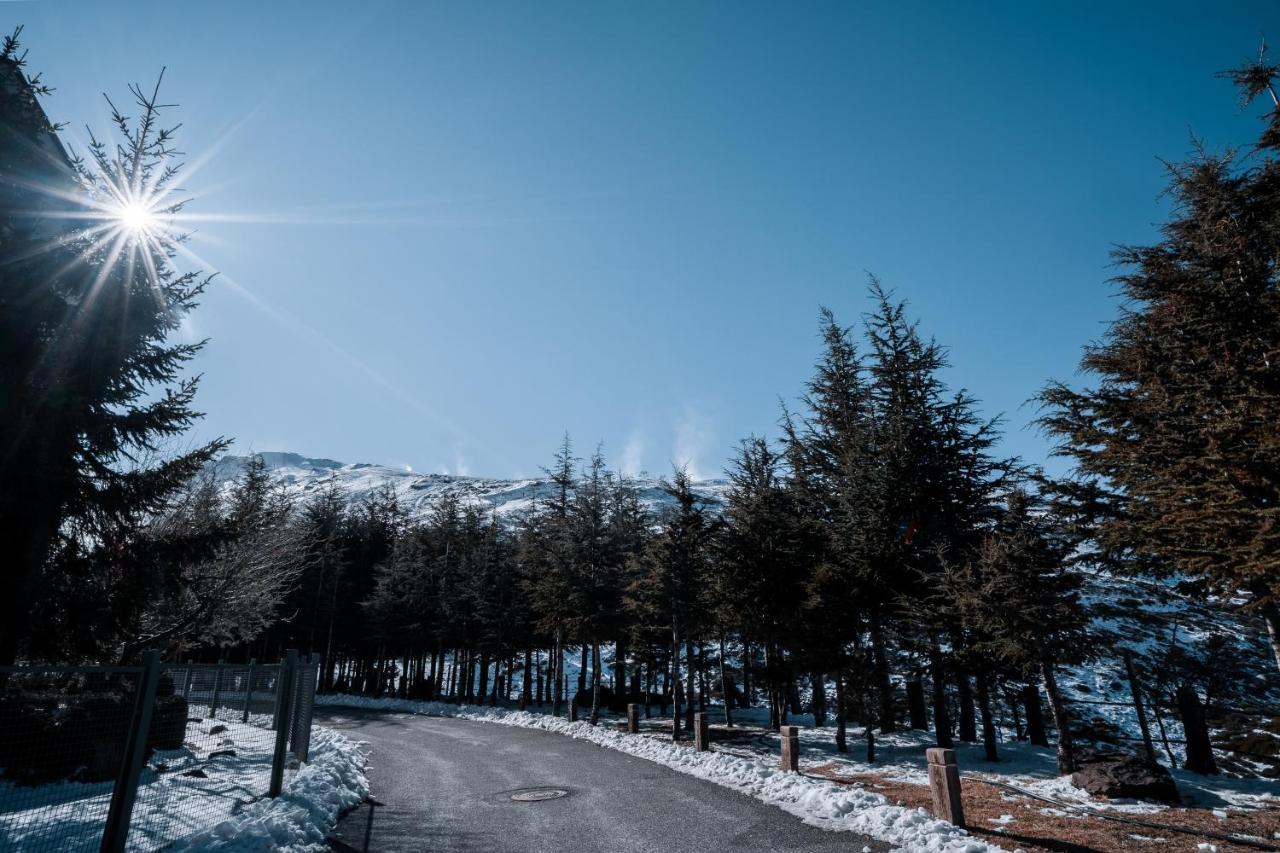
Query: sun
x=136 y=218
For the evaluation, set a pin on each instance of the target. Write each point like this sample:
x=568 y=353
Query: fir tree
x=91 y=382
x=1176 y=445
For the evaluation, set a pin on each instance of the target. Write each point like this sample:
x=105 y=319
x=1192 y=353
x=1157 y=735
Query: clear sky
x=451 y=231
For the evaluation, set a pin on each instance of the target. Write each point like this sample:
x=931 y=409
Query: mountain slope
x=418 y=493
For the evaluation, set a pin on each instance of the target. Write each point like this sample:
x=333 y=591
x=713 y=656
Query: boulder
x=1118 y=775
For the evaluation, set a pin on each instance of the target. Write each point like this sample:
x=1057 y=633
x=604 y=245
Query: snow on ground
x=302 y=816
x=189 y=790
x=815 y=801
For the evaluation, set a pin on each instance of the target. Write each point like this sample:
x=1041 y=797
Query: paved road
x=445 y=785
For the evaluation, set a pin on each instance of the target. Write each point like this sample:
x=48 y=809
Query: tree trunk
x=770 y=666
x=988 y=721
x=747 y=663
x=725 y=688
x=1061 y=719
x=557 y=664
x=526 y=692
x=968 y=724
x=691 y=684
x=941 y=719
x=1196 y=730
x=1271 y=615
x=818 y=681
x=676 y=696
x=483 y=692
x=595 y=682
x=702 y=677
x=842 y=715
x=620 y=691
x=881 y=663
x=582 y=670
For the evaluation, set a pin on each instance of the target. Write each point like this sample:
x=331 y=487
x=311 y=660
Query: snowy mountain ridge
x=305 y=476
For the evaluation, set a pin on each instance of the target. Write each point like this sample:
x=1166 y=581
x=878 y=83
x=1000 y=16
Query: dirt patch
x=1014 y=821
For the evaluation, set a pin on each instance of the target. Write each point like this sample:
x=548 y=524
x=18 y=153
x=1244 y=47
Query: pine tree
x=1177 y=448
x=669 y=577
x=91 y=382
x=1021 y=603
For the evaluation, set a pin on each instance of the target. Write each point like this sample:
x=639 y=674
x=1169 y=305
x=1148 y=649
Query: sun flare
x=136 y=217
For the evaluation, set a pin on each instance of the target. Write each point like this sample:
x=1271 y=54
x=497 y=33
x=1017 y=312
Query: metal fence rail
x=134 y=758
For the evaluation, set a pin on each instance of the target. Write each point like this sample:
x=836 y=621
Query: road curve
x=445 y=785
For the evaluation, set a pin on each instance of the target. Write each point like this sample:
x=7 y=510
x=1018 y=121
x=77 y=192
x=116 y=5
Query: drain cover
x=537 y=795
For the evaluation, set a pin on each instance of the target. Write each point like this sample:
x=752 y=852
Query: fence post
x=633 y=719
x=1196 y=729
x=573 y=710
x=248 y=689
x=186 y=684
x=217 y=689
x=944 y=785
x=125 y=792
x=284 y=692
x=701 y=733
x=790 y=736
x=1035 y=720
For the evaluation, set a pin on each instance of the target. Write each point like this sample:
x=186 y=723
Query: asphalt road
x=446 y=785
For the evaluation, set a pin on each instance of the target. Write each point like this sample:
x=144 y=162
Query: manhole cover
x=537 y=795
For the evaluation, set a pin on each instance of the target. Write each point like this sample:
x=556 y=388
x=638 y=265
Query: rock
x=197 y=773
x=217 y=730
x=222 y=753
x=1116 y=775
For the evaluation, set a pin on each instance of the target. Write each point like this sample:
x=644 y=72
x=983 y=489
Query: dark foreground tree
x=90 y=385
x=1178 y=446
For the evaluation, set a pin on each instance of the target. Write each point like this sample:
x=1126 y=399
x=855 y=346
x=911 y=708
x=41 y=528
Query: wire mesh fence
x=134 y=758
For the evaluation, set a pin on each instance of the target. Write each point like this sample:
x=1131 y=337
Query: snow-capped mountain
x=418 y=493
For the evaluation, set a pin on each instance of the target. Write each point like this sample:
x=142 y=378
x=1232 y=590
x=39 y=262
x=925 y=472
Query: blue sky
x=450 y=232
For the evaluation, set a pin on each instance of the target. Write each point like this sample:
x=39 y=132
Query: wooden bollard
x=790 y=736
x=944 y=784
x=573 y=710
x=701 y=733
x=633 y=719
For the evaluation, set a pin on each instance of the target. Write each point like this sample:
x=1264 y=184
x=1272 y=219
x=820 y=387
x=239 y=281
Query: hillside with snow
x=418 y=493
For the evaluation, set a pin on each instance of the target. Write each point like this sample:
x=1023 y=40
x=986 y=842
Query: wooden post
x=944 y=785
x=1136 y=692
x=1035 y=721
x=1196 y=729
x=790 y=736
x=633 y=719
x=701 y=733
x=915 y=705
x=573 y=710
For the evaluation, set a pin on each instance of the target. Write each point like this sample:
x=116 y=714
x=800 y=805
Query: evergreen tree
x=669 y=577
x=1021 y=602
x=1176 y=446
x=91 y=382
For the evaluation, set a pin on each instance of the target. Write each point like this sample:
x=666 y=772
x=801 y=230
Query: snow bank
x=304 y=813
x=817 y=802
